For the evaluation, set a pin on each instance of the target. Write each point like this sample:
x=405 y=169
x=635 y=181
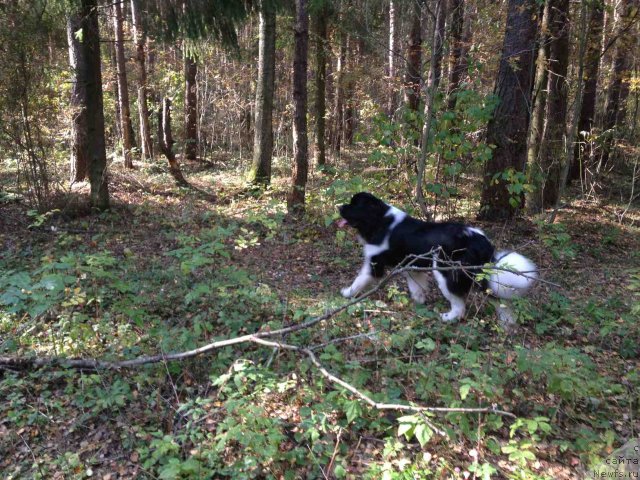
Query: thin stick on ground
x=368 y=399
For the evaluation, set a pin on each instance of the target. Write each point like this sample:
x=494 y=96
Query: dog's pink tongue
x=342 y=223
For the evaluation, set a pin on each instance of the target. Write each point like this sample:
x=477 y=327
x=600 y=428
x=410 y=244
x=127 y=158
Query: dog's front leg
x=364 y=279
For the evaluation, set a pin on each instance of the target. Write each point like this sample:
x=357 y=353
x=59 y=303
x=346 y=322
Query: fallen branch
x=260 y=339
x=365 y=397
x=93 y=364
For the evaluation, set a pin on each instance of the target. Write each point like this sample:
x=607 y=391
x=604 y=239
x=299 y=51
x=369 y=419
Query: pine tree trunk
x=263 y=134
x=431 y=91
x=143 y=106
x=123 y=89
x=539 y=100
x=321 y=31
x=589 y=95
x=618 y=89
x=338 y=124
x=414 y=59
x=572 y=128
x=470 y=21
x=391 y=102
x=117 y=133
x=79 y=102
x=349 y=89
x=165 y=139
x=295 y=201
x=508 y=128
x=190 y=108
x=90 y=73
x=547 y=184
x=457 y=60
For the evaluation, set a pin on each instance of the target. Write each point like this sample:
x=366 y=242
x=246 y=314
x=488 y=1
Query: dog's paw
x=450 y=317
x=506 y=316
x=346 y=292
x=419 y=297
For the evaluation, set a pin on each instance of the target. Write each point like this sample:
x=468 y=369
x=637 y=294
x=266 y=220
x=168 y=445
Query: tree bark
x=508 y=128
x=351 y=64
x=321 y=32
x=572 y=129
x=165 y=139
x=190 y=107
x=91 y=73
x=539 y=99
x=618 y=90
x=79 y=102
x=143 y=92
x=589 y=95
x=391 y=102
x=338 y=124
x=123 y=88
x=414 y=59
x=117 y=132
x=431 y=90
x=546 y=172
x=263 y=135
x=457 y=60
x=295 y=201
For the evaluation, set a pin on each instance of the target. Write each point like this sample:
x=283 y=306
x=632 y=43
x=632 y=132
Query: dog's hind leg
x=458 y=304
x=505 y=315
x=417 y=282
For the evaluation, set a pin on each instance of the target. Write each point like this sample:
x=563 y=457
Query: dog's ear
x=374 y=204
x=366 y=199
x=360 y=198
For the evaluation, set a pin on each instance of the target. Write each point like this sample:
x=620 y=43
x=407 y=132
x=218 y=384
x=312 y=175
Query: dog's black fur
x=391 y=237
x=455 y=242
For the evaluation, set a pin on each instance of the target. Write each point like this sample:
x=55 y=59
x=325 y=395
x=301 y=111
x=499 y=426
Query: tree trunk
x=321 y=84
x=589 y=95
x=295 y=201
x=117 y=132
x=123 y=88
x=539 y=99
x=165 y=139
x=546 y=172
x=471 y=17
x=349 y=89
x=190 y=108
x=79 y=102
x=91 y=74
x=618 y=90
x=508 y=128
x=414 y=59
x=457 y=60
x=263 y=135
x=572 y=129
x=143 y=107
x=338 y=125
x=431 y=91
x=391 y=102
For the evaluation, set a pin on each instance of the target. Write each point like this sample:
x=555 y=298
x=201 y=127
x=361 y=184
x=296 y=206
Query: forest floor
x=170 y=269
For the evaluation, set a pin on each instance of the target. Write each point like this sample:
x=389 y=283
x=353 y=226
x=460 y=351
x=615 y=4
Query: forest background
x=170 y=269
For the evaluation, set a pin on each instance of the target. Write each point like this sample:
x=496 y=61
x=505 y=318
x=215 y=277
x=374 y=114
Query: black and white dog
x=390 y=238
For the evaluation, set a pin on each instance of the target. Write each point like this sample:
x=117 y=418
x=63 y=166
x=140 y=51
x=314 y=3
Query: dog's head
x=366 y=213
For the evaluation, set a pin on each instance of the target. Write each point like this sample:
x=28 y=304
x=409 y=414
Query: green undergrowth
x=246 y=411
